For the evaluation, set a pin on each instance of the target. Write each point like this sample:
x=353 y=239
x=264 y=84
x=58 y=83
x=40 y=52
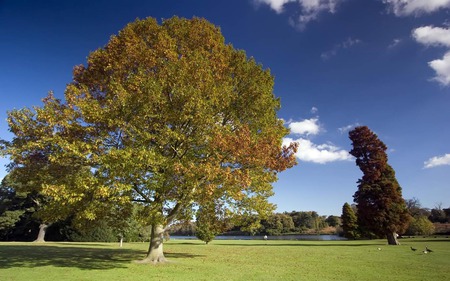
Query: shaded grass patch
x=229 y=260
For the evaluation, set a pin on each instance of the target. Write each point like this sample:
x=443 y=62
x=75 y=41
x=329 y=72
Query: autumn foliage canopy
x=165 y=115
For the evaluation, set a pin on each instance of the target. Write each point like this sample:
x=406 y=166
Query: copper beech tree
x=381 y=208
x=165 y=115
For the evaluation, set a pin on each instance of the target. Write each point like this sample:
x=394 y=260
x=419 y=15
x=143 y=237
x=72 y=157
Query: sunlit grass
x=229 y=260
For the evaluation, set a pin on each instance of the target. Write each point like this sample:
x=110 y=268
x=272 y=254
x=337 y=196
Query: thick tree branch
x=142 y=194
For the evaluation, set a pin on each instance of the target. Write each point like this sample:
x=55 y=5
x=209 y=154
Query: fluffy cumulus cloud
x=309 y=151
x=318 y=153
x=415 y=7
x=305 y=127
x=437 y=161
x=309 y=10
x=276 y=5
x=436 y=36
x=442 y=69
x=432 y=36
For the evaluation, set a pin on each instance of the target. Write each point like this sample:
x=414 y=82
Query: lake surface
x=280 y=237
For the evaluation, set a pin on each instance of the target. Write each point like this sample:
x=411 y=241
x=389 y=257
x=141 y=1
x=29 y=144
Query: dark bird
x=413 y=249
x=428 y=250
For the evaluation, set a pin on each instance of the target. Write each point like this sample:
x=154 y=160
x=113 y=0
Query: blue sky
x=336 y=63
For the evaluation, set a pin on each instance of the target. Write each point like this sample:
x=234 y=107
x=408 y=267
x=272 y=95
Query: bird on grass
x=413 y=249
x=428 y=250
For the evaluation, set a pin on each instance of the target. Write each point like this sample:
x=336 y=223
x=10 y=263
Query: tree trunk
x=155 y=252
x=392 y=238
x=41 y=235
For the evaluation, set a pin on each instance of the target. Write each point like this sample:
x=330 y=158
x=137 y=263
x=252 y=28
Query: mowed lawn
x=230 y=260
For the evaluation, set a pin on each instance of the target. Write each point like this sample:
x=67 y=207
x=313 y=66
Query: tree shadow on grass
x=82 y=257
x=296 y=245
x=189 y=243
x=431 y=240
x=169 y=255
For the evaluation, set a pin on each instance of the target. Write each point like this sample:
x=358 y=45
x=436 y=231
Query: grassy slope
x=229 y=260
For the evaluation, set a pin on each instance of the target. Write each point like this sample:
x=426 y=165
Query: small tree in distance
x=381 y=208
x=210 y=221
x=420 y=225
x=349 y=222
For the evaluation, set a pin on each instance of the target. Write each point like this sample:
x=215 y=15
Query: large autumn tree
x=167 y=115
x=381 y=208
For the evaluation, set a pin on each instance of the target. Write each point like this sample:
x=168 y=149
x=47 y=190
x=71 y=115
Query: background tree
x=277 y=224
x=438 y=214
x=210 y=221
x=37 y=161
x=333 y=221
x=447 y=213
x=14 y=207
x=415 y=208
x=165 y=115
x=349 y=222
x=287 y=222
x=19 y=217
x=308 y=220
x=184 y=228
x=249 y=224
x=420 y=225
x=381 y=208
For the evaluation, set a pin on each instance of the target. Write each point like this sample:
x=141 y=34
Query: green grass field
x=229 y=260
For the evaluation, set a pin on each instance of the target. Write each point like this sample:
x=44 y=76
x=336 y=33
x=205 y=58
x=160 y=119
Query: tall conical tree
x=381 y=208
x=349 y=222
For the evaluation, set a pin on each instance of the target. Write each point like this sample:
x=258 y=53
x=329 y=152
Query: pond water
x=280 y=237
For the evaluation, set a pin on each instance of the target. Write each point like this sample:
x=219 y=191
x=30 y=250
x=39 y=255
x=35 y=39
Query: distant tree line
x=20 y=221
x=423 y=220
x=295 y=222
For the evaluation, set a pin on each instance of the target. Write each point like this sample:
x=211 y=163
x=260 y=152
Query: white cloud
x=436 y=36
x=309 y=151
x=344 y=45
x=442 y=69
x=276 y=5
x=314 y=110
x=321 y=154
x=432 y=36
x=437 y=161
x=415 y=7
x=347 y=128
x=309 y=9
x=305 y=127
